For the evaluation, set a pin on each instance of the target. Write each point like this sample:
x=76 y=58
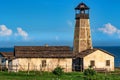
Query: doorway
x=77 y=64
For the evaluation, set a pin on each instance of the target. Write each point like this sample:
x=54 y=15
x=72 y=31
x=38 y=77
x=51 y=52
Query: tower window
x=92 y=63
x=107 y=62
x=43 y=63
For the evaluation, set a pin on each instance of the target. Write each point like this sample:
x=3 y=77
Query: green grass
x=38 y=76
x=50 y=76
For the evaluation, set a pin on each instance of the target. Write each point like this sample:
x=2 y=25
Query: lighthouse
x=82 y=34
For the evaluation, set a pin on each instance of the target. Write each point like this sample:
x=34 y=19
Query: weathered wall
x=100 y=60
x=36 y=64
x=82 y=35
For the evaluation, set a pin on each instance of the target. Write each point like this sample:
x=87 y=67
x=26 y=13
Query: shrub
x=89 y=74
x=58 y=71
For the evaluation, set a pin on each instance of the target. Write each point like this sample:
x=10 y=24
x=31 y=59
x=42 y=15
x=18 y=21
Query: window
x=43 y=63
x=107 y=62
x=3 y=60
x=92 y=63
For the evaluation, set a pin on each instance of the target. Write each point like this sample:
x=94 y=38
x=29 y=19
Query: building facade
x=99 y=59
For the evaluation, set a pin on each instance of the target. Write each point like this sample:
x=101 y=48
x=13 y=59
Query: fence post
x=34 y=69
x=16 y=67
x=40 y=69
x=8 y=68
x=81 y=68
x=28 y=67
x=47 y=68
x=66 y=67
x=73 y=67
x=1 y=67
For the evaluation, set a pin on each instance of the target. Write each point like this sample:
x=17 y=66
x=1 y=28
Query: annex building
x=47 y=58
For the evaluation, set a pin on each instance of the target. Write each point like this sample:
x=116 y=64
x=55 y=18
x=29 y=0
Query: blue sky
x=39 y=22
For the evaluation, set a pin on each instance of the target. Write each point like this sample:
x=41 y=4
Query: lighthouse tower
x=82 y=35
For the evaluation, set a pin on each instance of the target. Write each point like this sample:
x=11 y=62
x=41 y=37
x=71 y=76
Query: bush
x=58 y=71
x=89 y=74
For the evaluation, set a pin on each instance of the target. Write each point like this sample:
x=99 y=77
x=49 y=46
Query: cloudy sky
x=40 y=22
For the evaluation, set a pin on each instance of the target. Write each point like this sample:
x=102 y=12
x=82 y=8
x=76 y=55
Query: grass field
x=50 y=76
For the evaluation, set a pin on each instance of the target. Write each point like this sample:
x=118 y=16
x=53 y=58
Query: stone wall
x=25 y=64
x=82 y=36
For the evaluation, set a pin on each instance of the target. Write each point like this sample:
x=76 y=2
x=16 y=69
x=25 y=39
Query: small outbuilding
x=97 y=58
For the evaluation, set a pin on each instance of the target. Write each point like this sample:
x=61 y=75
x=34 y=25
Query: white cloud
x=4 y=31
x=69 y=23
x=22 y=33
x=109 y=29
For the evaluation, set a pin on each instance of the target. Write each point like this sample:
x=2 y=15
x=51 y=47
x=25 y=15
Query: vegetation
x=58 y=71
x=89 y=73
x=50 y=76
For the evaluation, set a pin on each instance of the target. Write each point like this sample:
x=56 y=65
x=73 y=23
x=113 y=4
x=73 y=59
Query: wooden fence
x=28 y=67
